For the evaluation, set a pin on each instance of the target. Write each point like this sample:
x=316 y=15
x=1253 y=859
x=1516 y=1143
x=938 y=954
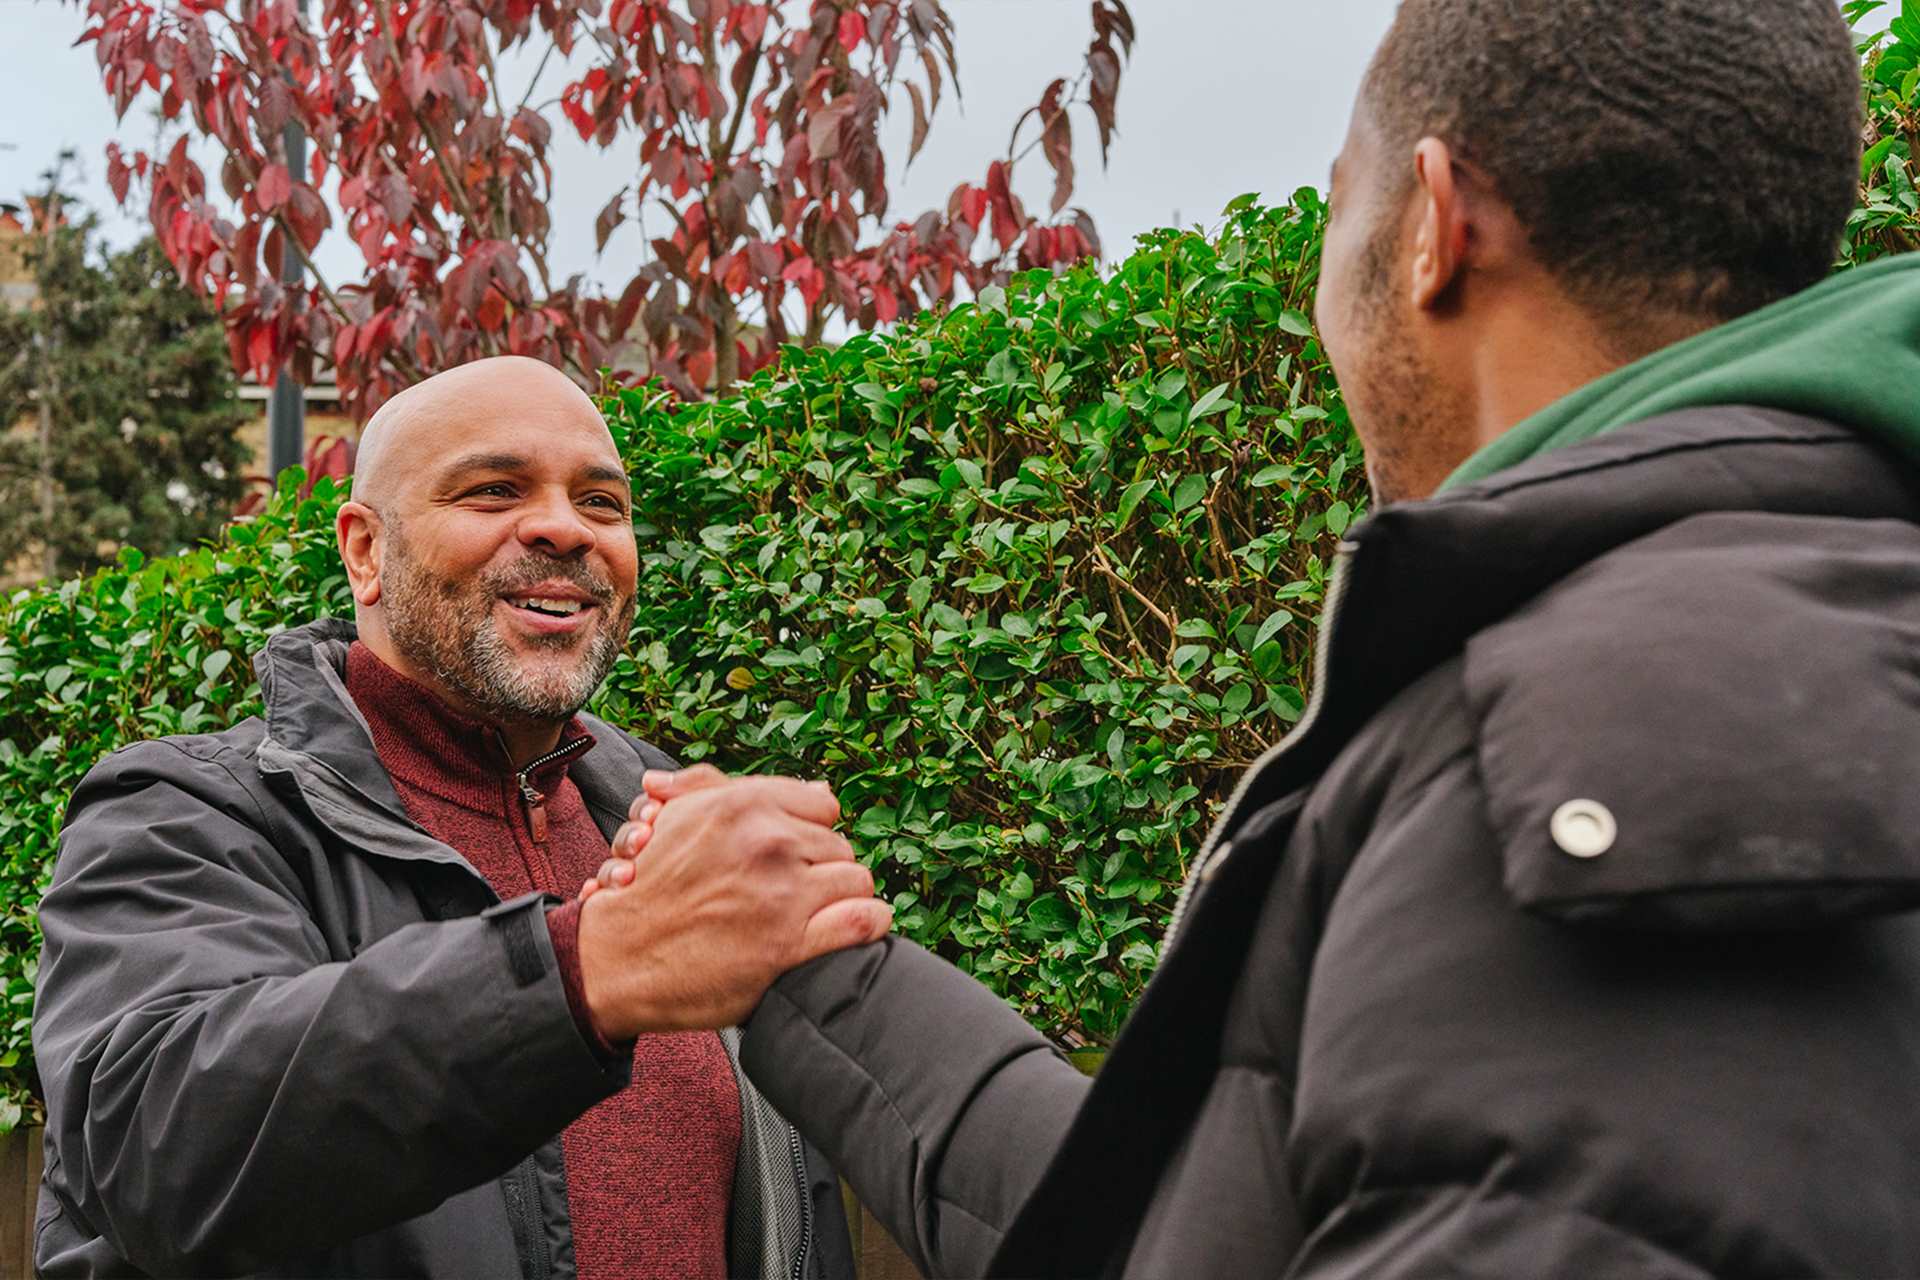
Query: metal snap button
x=1583 y=828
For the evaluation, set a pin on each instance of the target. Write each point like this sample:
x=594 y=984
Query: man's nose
x=552 y=524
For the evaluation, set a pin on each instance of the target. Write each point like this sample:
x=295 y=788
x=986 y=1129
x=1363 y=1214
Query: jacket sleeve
x=221 y=1092
x=938 y=1103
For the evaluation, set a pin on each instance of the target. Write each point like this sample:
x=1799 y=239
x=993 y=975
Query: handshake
x=744 y=879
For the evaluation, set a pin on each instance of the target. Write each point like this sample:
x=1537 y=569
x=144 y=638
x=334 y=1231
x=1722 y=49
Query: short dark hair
x=1697 y=156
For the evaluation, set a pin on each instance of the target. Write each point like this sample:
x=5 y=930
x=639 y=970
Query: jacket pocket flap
x=1710 y=733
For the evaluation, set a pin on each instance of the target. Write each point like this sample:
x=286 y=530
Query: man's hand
x=743 y=880
x=657 y=787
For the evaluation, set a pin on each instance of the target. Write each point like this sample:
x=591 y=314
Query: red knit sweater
x=650 y=1170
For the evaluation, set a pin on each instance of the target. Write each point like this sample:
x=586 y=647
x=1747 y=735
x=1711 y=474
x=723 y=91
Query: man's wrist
x=563 y=926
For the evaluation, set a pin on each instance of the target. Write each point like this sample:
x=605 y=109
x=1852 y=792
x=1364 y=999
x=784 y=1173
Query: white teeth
x=545 y=605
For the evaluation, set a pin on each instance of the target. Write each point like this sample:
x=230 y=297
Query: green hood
x=1846 y=350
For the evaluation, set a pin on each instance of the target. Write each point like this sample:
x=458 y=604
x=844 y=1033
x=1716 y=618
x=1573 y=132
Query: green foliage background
x=1030 y=582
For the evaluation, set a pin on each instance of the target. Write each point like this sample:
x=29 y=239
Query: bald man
x=312 y=1001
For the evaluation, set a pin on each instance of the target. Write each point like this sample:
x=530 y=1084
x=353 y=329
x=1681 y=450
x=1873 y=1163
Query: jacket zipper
x=1316 y=698
x=531 y=797
x=806 y=1203
x=524 y=1190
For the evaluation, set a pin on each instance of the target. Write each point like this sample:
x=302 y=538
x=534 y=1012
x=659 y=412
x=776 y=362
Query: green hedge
x=1030 y=582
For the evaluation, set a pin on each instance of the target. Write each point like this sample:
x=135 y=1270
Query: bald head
x=428 y=420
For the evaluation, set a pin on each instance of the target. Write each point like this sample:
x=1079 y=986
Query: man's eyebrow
x=483 y=462
x=600 y=471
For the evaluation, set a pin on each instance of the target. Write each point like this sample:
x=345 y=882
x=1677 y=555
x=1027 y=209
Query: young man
x=309 y=1004
x=1571 y=932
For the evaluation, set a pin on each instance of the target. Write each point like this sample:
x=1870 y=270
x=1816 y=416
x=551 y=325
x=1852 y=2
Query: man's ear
x=357 y=529
x=1441 y=240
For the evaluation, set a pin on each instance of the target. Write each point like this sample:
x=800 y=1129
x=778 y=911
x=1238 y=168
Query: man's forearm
x=937 y=1102
x=365 y=1091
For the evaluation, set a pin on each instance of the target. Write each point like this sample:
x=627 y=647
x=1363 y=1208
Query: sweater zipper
x=1216 y=849
x=806 y=1203
x=531 y=797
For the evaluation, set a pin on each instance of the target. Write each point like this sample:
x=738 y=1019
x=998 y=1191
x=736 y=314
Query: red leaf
x=610 y=217
x=274 y=187
x=920 y=121
x=1007 y=218
x=343 y=344
x=493 y=310
x=260 y=351
x=853 y=29
x=973 y=206
x=804 y=275
x=118 y=174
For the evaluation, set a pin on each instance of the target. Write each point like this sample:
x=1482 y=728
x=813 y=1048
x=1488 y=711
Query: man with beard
x=310 y=1002
x=1571 y=932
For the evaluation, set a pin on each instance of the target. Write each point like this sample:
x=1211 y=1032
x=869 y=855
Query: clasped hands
x=744 y=879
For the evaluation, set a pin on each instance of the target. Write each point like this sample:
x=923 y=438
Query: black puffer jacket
x=283 y=1031
x=1569 y=935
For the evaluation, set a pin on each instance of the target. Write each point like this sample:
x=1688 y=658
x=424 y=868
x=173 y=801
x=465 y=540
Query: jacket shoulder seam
x=1498 y=486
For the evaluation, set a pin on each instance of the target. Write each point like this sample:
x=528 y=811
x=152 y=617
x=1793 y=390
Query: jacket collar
x=1418 y=579
x=318 y=741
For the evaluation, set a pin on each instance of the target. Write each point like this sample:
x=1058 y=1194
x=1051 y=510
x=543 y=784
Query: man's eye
x=610 y=503
x=493 y=491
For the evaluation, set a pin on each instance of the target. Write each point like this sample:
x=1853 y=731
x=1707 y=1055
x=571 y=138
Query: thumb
x=665 y=784
x=850 y=922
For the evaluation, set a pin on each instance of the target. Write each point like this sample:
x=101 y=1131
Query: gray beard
x=447 y=628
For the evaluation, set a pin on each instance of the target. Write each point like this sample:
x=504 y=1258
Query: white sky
x=1222 y=97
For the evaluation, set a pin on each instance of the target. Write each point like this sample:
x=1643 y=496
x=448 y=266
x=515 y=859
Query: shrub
x=1030 y=582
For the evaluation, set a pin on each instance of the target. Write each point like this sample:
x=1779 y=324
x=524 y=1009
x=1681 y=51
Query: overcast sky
x=1222 y=97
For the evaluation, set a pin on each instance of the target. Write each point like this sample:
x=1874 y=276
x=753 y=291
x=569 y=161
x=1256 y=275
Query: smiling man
x=310 y=1001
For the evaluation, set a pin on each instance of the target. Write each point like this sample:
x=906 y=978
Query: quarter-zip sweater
x=649 y=1170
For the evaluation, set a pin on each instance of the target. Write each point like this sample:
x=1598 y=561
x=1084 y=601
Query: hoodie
x=1846 y=350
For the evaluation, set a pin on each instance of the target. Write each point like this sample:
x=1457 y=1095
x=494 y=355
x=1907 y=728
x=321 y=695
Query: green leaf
x=1189 y=491
x=1210 y=403
x=1129 y=500
x=1874 y=157
x=1275 y=623
x=982 y=584
x=216 y=662
x=1295 y=323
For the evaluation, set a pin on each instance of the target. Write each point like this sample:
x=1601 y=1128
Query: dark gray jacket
x=1569 y=934
x=283 y=1031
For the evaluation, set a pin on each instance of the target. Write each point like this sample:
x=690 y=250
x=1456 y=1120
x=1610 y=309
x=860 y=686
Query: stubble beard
x=1410 y=420
x=447 y=627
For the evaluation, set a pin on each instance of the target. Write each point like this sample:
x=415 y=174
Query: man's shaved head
x=425 y=415
x=490 y=543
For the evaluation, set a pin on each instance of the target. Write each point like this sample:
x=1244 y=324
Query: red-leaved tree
x=755 y=128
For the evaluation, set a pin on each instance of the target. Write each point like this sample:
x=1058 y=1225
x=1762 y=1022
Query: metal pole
x=286 y=407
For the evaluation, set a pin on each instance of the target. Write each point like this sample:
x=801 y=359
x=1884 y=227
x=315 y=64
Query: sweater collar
x=425 y=743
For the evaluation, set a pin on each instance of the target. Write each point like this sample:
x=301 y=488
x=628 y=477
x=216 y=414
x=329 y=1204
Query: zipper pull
x=536 y=808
